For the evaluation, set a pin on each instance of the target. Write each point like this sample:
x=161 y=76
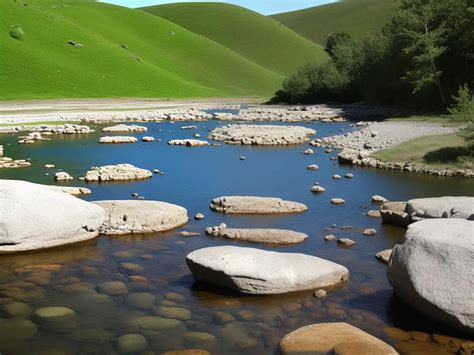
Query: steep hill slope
x=257 y=37
x=123 y=53
x=357 y=17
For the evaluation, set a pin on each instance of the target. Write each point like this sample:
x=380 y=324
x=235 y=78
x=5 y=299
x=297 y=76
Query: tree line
x=423 y=55
x=422 y=58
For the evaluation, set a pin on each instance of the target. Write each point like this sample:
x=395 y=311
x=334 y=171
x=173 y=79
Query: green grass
x=252 y=35
x=443 y=119
x=357 y=17
x=447 y=151
x=162 y=59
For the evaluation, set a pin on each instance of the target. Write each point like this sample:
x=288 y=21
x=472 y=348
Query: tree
x=420 y=32
x=462 y=111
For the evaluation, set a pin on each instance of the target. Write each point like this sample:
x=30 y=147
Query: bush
x=462 y=111
x=17 y=32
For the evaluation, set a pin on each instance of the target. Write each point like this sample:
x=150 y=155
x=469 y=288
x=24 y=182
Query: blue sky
x=265 y=7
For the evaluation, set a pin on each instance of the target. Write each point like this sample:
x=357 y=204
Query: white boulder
x=255 y=271
x=432 y=270
x=35 y=217
x=132 y=216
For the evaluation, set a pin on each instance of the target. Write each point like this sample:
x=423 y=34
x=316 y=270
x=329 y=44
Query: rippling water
x=70 y=276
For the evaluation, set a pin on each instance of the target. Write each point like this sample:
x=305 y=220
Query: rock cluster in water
x=119 y=172
x=261 y=134
x=254 y=271
x=404 y=213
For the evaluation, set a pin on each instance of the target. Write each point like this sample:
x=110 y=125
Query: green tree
x=416 y=26
x=462 y=111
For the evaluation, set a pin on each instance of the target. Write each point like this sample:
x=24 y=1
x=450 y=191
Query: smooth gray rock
x=432 y=270
x=442 y=207
x=254 y=271
x=259 y=235
x=132 y=216
x=255 y=205
x=34 y=216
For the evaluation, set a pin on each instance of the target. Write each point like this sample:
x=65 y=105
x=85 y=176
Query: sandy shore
x=21 y=112
x=383 y=135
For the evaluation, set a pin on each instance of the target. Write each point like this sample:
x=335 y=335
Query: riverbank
x=428 y=147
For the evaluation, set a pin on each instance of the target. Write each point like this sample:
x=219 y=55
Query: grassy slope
x=174 y=62
x=357 y=17
x=254 y=36
x=440 y=151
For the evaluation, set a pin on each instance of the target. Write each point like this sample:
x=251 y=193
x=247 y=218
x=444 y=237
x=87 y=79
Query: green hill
x=124 y=53
x=257 y=37
x=357 y=17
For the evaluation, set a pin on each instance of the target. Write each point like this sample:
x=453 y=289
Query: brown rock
x=341 y=338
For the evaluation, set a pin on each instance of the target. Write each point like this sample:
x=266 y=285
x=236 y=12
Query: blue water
x=192 y=177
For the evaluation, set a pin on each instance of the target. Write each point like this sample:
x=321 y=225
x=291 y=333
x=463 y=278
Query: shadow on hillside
x=446 y=155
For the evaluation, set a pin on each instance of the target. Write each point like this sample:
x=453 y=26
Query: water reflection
x=159 y=298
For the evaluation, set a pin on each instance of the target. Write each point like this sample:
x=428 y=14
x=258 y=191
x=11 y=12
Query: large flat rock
x=34 y=216
x=255 y=205
x=432 y=270
x=255 y=271
x=442 y=207
x=119 y=172
x=258 y=235
x=261 y=134
x=330 y=338
x=132 y=216
x=123 y=128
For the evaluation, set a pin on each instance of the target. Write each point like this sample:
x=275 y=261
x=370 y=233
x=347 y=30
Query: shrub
x=17 y=32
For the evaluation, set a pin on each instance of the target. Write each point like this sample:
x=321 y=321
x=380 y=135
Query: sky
x=266 y=7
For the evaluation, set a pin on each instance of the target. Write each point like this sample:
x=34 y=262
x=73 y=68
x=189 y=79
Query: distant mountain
x=252 y=35
x=357 y=17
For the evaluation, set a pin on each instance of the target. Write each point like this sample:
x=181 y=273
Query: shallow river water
x=232 y=324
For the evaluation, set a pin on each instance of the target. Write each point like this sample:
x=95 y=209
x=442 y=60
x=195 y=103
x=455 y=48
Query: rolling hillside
x=254 y=36
x=357 y=17
x=119 y=52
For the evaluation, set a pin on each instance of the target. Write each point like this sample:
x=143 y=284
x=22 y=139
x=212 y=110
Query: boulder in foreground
x=432 y=271
x=259 y=272
x=258 y=235
x=126 y=217
x=34 y=216
x=255 y=205
x=329 y=338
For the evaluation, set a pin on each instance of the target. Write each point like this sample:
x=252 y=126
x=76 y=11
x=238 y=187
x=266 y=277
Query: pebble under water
x=156 y=280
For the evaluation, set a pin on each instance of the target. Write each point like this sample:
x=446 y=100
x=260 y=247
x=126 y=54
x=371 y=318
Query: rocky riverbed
x=130 y=289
